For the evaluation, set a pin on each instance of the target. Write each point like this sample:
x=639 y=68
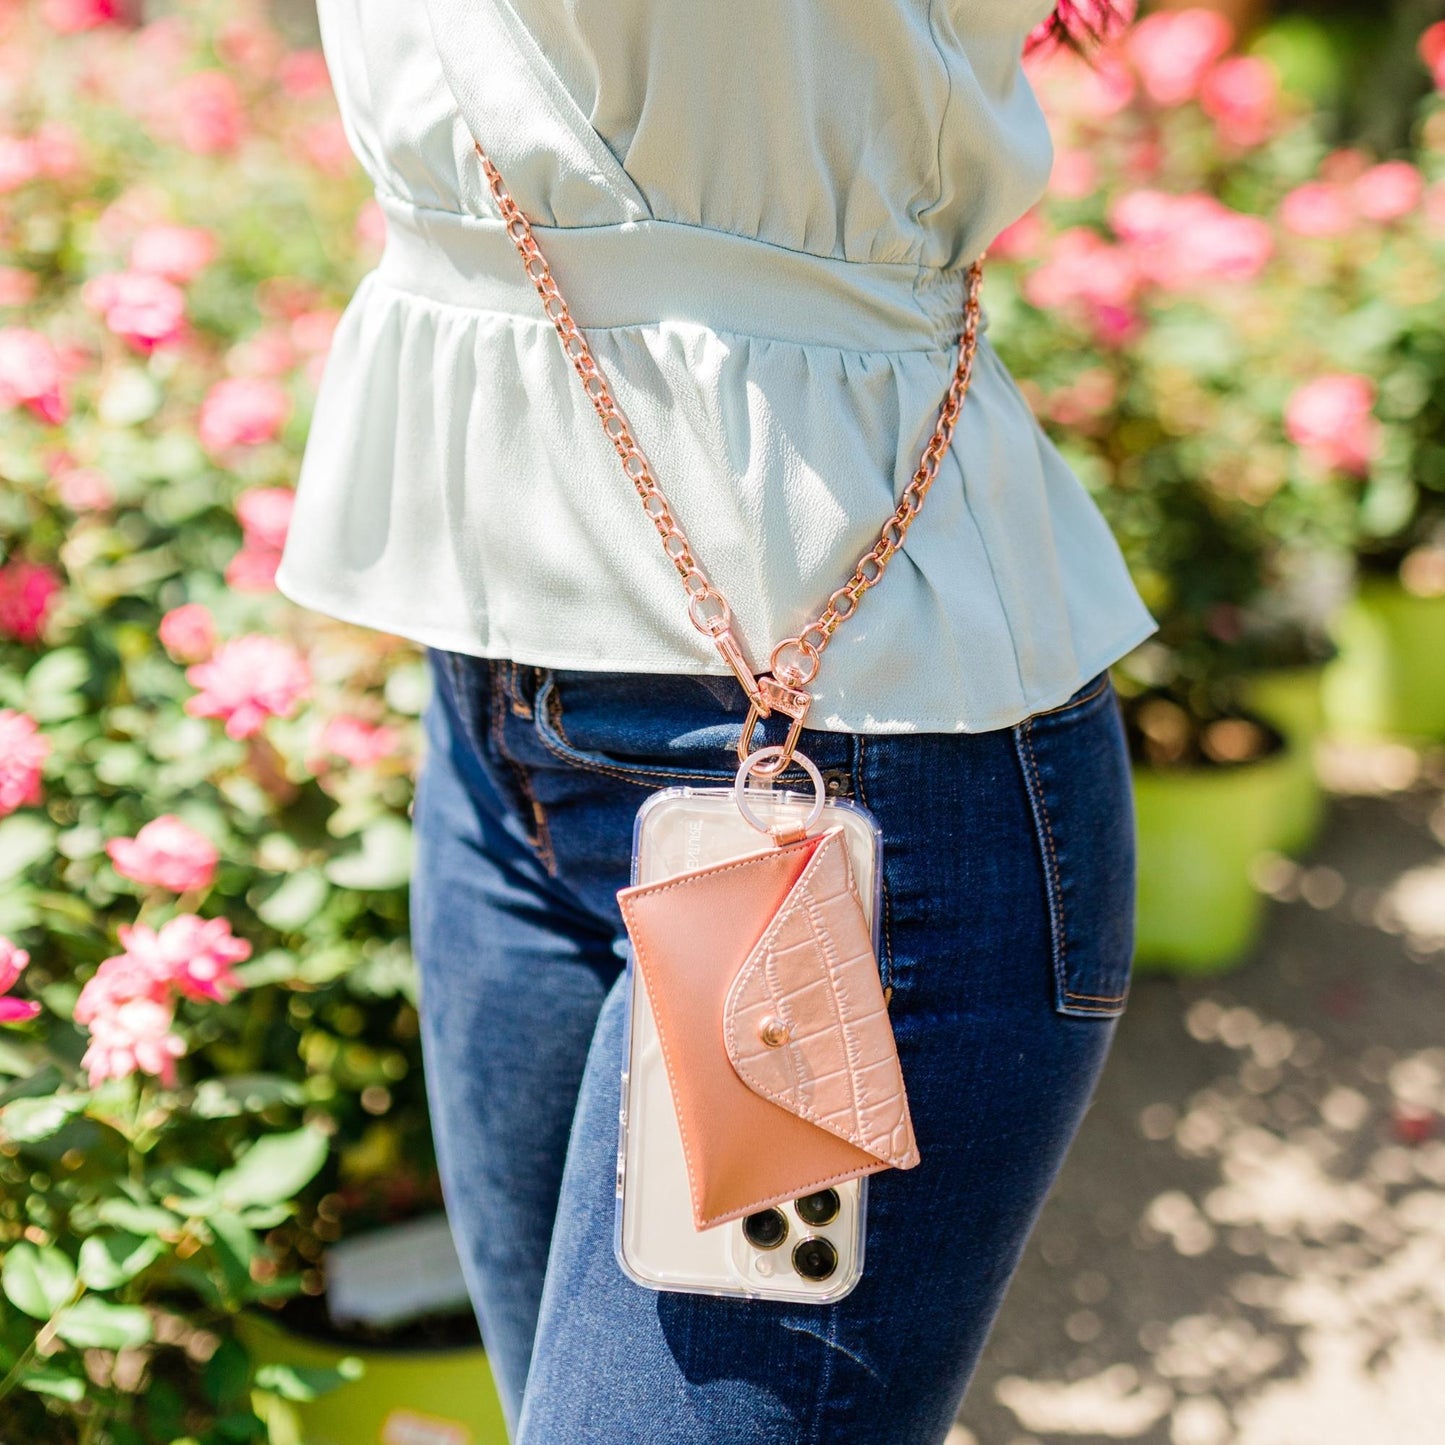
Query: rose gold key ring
x=780 y=833
x=794 y=662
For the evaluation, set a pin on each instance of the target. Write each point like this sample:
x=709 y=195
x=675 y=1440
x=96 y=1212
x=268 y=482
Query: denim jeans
x=1007 y=941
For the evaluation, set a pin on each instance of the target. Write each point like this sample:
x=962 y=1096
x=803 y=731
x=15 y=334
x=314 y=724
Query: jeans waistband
x=642 y=272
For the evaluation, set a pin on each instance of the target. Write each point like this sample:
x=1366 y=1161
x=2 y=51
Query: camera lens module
x=815 y=1258
x=818 y=1209
x=767 y=1229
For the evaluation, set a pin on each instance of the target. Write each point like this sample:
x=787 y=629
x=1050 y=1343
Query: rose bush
x=209 y=1059
x=209 y=1064
x=1233 y=329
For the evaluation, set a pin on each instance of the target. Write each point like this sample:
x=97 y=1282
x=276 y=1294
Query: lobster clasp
x=774 y=696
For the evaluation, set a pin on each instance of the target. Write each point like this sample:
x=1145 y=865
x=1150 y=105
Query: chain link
x=794 y=661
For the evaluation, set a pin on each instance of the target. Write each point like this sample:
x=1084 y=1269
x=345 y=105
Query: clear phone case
x=811 y=1254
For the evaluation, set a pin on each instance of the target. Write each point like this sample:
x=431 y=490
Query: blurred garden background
x=1228 y=312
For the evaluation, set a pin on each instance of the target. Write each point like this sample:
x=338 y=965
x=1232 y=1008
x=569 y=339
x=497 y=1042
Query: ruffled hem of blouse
x=457 y=490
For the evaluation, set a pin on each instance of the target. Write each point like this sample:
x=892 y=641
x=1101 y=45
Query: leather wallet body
x=774 y=1030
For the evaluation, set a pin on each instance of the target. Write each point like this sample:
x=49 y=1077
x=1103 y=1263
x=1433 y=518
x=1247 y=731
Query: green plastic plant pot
x=1291 y=699
x=1389 y=680
x=1200 y=831
x=403 y=1397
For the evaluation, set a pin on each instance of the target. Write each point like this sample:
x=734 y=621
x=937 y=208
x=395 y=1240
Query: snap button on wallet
x=775 y=1034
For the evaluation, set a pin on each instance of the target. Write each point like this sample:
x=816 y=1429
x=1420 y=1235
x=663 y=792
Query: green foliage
x=140 y=1213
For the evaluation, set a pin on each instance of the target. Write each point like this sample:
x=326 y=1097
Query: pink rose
x=129 y=1010
x=1389 y=191
x=12 y=965
x=17 y=285
x=206 y=112
x=1173 y=51
x=129 y=1004
x=189 y=953
x=1083 y=91
x=1079 y=24
x=1181 y=242
x=1432 y=51
x=268 y=352
x=1021 y=240
x=312 y=331
x=1241 y=96
x=26 y=591
x=19 y=162
x=177 y=253
x=265 y=514
x=248 y=680
x=31 y=374
x=57 y=150
x=70 y=16
x=188 y=632
x=1332 y=420
x=1435 y=206
x=242 y=411
x=1075 y=174
x=248 y=43
x=253 y=569
x=1084 y=273
x=359 y=743
x=166 y=853
x=371 y=226
x=135 y=1036
x=1318 y=208
x=84 y=489
x=145 y=310
x=23 y=750
x=303 y=74
x=325 y=145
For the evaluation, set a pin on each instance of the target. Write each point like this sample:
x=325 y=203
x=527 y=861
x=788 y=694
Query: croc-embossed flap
x=763 y=982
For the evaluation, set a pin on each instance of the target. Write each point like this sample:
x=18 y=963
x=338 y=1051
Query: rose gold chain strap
x=794 y=661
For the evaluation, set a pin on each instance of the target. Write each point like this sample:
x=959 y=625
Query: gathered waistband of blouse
x=640 y=273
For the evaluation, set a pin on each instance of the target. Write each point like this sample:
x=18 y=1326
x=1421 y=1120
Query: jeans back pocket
x=1075 y=765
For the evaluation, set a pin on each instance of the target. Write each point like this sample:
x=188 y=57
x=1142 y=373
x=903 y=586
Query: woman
x=761 y=213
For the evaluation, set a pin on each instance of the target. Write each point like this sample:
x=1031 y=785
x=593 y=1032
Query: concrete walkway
x=1247 y=1246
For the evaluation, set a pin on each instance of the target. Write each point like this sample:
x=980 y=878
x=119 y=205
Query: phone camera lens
x=815 y=1258
x=766 y=1229
x=818 y=1209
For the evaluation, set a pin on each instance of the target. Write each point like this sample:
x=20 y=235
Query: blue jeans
x=1007 y=940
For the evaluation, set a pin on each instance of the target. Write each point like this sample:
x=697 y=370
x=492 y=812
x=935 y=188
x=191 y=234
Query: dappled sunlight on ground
x=1247 y=1246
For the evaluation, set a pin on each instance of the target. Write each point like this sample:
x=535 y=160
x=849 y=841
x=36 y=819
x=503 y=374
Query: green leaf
x=15 y=1061
x=53 y=686
x=227 y=1374
x=28 y=1120
x=70 y=1388
x=137 y=1218
x=37 y=1279
x=96 y=1324
x=130 y=396
x=108 y=1260
x=235 y=1247
x=383 y=862
x=24 y=840
x=296 y=902
x=273 y=1169
x=308 y=1382
x=244 y=1093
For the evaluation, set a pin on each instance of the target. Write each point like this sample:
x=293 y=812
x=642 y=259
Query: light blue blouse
x=760 y=212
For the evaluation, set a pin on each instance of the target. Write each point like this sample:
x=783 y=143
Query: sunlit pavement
x=1247 y=1246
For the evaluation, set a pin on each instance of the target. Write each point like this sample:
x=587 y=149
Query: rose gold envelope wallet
x=775 y=1034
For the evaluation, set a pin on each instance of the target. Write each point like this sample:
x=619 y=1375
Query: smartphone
x=808 y=1250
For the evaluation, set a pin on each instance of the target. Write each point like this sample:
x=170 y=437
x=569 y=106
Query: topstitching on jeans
x=1023 y=735
x=540 y=837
